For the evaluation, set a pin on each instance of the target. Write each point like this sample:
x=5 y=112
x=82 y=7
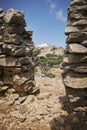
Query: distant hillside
x=48 y=56
x=44 y=50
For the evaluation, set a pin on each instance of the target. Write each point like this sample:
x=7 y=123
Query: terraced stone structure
x=16 y=66
x=75 y=61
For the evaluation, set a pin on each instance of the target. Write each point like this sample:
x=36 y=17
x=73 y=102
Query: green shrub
x=50 y=60
x=54 y=48
x=36 y=52
x=51 y=55
x=50 y=75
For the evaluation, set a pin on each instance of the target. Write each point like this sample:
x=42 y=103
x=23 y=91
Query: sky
x=46 y=18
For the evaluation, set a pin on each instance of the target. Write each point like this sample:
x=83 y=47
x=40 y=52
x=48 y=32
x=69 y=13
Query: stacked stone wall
x=75 y=61
x=16 y=46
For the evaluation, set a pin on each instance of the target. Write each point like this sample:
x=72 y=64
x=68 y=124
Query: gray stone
x=76 y=48
x=75 y=58
x=14 y=29
x=75 y=80
x=12 y=61
x=84 y=43
x=77 y=37
x=12 y=38
x=14 y=16
x=81 y=22
x=77 y=15
x=80 y=7
x=79 y=67
x=78 y=2
x=13 y=50
x=73 y=29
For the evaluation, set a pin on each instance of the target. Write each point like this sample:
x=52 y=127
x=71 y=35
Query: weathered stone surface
x=76 y=48
x=78 y=2
x=14 y=29
x=82 y=22
x=13 y=16
x=16 y=46
x=75 y=61
x=75 y=58
x=14 y=50
x=78 y=38
x=75 y=80
x=79 y=67
x=12 y=38
x=78 y=15
x=12 y=61
x=80 y=7
x=22 y=78
x=73 y=29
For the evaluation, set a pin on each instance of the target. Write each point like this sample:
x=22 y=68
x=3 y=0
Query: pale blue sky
x=46 y=18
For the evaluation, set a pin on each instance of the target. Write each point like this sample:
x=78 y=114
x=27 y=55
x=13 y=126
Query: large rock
x=13 y=61
x=75 y=58
x=14 y=50
x=75 y=80
x=76 y=48
x=14 y=29
x=13 y=16
x=78 y=2
x=12 y=39
x=79 y=67
x=74 y=29
x=79 y=7
x=78 y=38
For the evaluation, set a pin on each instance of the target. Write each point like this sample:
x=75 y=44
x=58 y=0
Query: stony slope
x=47 y=110
x=50 y=50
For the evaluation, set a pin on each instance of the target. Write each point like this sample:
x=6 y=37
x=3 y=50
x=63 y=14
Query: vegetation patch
x=51 y=60
x=36 y=52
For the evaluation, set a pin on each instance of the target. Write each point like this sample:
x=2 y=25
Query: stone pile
x=75 y=61
x=16 y=66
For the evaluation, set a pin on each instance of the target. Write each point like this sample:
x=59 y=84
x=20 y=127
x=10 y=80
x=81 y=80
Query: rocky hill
x=44 y=50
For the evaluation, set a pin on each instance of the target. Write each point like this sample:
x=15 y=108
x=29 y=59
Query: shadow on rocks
x=75 y=119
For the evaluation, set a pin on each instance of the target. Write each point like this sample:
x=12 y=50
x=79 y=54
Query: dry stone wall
x=16 y=65
x=75 y=61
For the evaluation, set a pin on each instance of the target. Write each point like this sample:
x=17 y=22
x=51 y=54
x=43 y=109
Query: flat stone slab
x=75 y=80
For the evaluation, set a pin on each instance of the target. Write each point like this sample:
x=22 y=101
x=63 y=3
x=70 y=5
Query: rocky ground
x=47 y=110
